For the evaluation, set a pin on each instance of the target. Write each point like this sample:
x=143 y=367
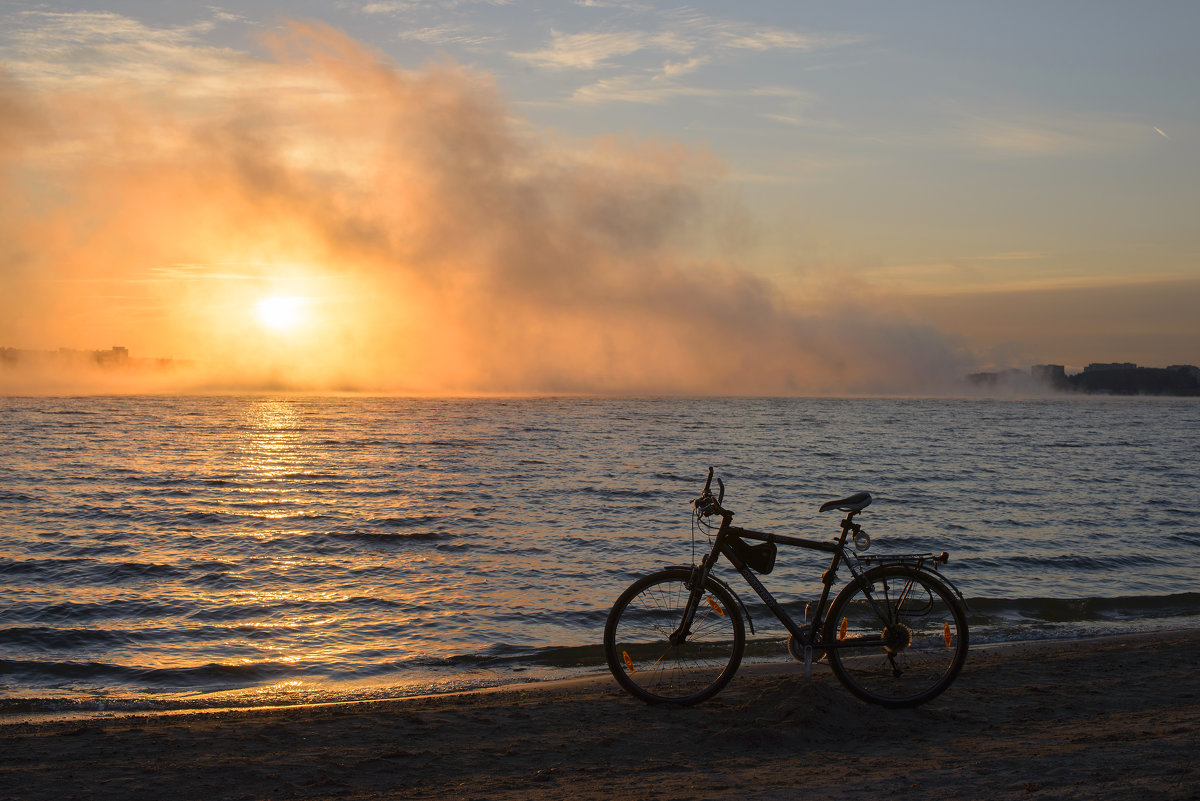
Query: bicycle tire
x=639 y=651
x=911 y=657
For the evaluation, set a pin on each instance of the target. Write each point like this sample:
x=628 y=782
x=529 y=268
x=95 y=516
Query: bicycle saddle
x=855 y=503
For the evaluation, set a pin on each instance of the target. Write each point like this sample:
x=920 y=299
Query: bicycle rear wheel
x=644 y=659
x=898 y=636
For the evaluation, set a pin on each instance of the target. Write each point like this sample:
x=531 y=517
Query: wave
x=1019 y=563
x=46 y=638
x=38 y=673
x=387 y=537
x=73 y=572
x=1058 y=610
x=268 y=611
x=71 y=612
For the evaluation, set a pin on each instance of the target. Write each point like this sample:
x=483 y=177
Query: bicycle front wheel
x=655 y=663
x=897 y=636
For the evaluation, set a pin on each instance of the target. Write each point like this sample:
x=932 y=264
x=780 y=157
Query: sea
x=176 y=553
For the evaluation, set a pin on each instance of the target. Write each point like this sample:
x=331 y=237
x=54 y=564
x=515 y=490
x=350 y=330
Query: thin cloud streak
x=84 y=49
x=1048 y=135
x=587 y=50
x=651 y=89
x=680 y=33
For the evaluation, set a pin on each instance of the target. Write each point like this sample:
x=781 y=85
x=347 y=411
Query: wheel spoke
x=912 y=615
x=642 y=626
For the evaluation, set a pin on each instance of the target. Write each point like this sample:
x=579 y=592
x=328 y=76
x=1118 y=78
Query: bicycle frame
x=807 y=635
x=721 y=548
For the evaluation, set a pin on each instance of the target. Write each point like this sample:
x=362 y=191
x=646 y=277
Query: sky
x=614 y=197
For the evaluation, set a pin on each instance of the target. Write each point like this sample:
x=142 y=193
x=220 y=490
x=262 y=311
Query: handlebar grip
x=706 y=503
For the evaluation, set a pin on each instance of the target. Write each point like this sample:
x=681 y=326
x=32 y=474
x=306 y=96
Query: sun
x=281 y=313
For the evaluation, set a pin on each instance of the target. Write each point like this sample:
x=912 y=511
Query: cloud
x=651 y=63
x=1014 y=255
x=392 y=7
x=673 y=34
x=585 y=50
x=1048 y=135
x=765 y=39
x=711 y=33
x=446 y=35
x=651 y=89
x=439 y=243
x=82 y=49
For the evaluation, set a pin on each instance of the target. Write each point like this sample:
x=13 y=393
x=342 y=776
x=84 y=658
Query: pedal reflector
x=628 y=662
x=842 y=630
x=716 y=606
x=946 y=633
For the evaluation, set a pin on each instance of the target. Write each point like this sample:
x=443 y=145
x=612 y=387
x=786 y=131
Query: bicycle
x=895 y=635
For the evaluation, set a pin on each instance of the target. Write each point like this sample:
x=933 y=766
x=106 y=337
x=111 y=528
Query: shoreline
x=1108 y=717
x=602 y=674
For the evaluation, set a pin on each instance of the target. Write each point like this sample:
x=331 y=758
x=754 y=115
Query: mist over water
x=202 y=551
x=438 y=242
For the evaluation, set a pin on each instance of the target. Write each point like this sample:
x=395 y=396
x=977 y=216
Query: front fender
x=725 y=586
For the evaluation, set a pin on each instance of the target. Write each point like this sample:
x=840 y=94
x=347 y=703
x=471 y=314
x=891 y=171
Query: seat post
x=849 y=526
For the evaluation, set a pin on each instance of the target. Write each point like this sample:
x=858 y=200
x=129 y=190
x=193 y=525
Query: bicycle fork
x=695 y=585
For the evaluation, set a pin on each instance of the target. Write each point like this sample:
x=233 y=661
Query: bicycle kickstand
x=808 y=663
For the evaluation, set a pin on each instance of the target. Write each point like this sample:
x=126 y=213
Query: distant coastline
x=116 y=357
x=1121 y=378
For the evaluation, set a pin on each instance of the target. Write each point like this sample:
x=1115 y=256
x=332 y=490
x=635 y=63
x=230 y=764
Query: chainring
x=796 y=649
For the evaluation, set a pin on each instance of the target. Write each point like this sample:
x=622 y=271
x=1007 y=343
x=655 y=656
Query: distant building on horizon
x=1111 y=378
x=1186 y=369
x=1053 y=374
x=1097 y=367
x=66 y=359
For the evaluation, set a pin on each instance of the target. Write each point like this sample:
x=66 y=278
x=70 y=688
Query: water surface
x=165 y=552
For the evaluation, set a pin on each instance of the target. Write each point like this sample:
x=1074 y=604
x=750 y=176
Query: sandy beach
x=1110 y=718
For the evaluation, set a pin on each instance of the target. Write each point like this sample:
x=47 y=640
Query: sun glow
x=279 y=313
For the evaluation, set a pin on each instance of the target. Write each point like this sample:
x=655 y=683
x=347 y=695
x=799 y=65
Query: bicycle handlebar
x=706 y=503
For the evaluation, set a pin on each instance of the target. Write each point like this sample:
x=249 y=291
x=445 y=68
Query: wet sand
x=1113 y=718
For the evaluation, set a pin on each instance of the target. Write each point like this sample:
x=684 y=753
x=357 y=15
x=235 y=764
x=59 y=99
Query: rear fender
x=951 y=585
x=920 y=568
